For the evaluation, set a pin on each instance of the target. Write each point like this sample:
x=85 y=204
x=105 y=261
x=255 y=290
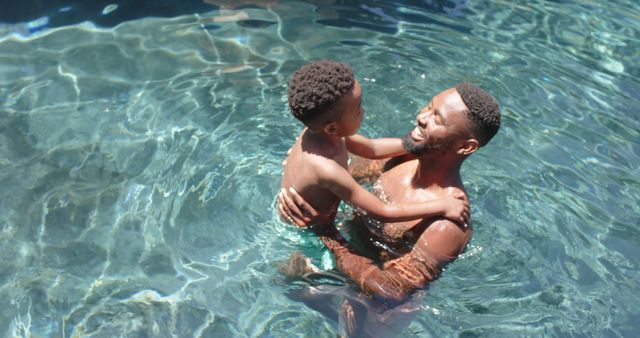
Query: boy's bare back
x=300 y=170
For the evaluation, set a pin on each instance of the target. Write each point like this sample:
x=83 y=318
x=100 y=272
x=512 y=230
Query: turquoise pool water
x=139 y=165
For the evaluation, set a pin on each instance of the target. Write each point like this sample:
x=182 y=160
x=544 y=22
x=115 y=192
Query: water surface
x=140 y=161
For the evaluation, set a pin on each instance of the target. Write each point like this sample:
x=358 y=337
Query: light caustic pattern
x=140 y=164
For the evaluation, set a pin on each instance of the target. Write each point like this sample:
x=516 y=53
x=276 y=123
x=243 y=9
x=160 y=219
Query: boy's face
x=351 y=110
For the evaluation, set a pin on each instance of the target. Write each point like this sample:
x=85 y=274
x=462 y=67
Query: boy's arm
x=295 y=209
x=335 y=178
x=374 y=148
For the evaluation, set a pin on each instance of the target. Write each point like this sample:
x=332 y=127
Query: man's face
x=441 y=126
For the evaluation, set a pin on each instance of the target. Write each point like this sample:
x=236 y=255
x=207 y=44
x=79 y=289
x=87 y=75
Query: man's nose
x=422 y=118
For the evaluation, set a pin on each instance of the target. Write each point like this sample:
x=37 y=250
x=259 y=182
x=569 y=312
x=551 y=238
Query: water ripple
x=140 y=162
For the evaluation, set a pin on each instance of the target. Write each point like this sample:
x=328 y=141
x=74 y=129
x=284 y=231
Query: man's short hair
x=317 y=86
x=484 y=111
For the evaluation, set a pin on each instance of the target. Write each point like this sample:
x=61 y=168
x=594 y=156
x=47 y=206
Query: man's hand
x=456 y=209
x=295 y=210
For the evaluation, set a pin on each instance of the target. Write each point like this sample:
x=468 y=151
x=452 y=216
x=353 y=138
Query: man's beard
x=423 y=148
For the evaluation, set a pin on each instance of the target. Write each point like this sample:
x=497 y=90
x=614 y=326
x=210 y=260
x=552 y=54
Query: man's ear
x=468 y=147
x=330 y=128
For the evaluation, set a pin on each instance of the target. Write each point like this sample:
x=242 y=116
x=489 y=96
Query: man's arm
x=294 y=209
x=361 y=269
x=375 y=148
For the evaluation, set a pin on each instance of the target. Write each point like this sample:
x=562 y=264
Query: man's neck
x=437 y=173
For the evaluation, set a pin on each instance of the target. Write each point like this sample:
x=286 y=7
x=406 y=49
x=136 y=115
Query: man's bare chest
x=399 y=186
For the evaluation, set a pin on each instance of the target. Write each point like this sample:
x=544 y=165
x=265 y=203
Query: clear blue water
x=139 y=162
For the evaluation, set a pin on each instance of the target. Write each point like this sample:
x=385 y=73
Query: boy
x=326 y=98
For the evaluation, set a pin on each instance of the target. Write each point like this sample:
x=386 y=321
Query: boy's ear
x=330 y=128
x=468 y=147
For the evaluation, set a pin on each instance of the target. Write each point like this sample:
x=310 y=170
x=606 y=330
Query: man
x=453 y=125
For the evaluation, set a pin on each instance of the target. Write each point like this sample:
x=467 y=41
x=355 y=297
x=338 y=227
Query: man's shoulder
x=442 y=223
x=444 y=237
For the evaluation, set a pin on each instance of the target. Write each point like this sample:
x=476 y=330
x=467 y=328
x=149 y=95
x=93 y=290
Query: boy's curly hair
x=484 y=111
x=315 y=87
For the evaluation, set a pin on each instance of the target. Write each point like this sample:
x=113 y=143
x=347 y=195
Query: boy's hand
x=295 y=210
x=456 y=209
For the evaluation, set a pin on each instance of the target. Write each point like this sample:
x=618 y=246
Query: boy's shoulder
x=320 y=163
x=327 y=170
x=318 y=147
